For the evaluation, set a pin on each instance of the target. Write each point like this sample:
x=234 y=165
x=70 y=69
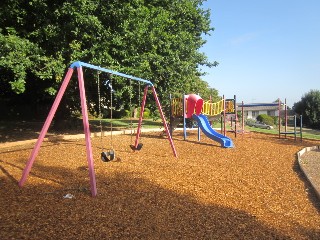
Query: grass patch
x=126 y=123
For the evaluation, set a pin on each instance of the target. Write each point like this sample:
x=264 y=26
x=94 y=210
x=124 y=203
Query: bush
x=155 y=115
x=264 y=118
x=146 y=115
x=250 y=121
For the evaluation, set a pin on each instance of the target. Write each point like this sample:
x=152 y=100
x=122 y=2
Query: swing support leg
x=86 y=129
x=48 y=121
x=162 y=117
x=141 y=117
x=45 y=127
x=164 y=121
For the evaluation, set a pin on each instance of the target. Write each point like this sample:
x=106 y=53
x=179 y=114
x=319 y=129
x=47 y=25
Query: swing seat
x=138 y=148
x=108 y=156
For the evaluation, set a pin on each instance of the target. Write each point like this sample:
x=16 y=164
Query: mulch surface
x=253 y=191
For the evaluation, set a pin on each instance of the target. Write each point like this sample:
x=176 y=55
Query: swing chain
x=111 y=107
x=106 y=156
x=100 y=112
x=130 y=106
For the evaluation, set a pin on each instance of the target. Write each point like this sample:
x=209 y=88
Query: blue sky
x=266 y=49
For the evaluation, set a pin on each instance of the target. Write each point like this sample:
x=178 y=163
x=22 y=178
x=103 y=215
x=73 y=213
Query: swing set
x=105 y=155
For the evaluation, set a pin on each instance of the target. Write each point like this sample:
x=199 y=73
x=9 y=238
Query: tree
x=152 y=39
x=309 y=108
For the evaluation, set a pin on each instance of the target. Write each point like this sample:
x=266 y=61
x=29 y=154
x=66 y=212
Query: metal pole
x=295 y=127
x=45 y=127
x=141 y=116
x=236 y=115
x=286 y=118
x=86 y=129
x=224 y=116
x=171 y=115
x=164 y=121
x=242 y=118
x=279 y=113
x=301 y=128
x=184 y=117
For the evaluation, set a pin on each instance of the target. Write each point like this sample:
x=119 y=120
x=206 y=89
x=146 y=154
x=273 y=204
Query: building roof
x=259 y=106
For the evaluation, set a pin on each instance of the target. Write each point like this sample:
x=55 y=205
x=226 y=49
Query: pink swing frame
x=86 y=127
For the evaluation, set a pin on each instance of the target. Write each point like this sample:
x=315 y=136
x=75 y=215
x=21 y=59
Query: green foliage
x=155 y=115
x=146 y=115
x=309 y=108
x=265 y=119
x=250 y=121
x=155 y=40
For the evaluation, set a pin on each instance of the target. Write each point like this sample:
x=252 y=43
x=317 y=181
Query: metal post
x=45 y=127
x=236 y=115
x=301 y=128
x=285 y=117
x=184 y=117
x=224 y=116
x=86 y=129
x=295 y=127
x=141 y=116
x=171 y=115
x=242 y=110
x=164 y=121
x=279 y=120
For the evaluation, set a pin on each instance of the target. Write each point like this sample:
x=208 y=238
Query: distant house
x=253 y=110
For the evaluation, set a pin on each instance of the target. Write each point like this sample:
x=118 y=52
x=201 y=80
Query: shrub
x=146 y=115
x=266 y=119
x=250 y=121
x=155 y=115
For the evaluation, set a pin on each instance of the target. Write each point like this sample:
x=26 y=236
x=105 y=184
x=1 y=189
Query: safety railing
x=208 y=107
x=212 y=109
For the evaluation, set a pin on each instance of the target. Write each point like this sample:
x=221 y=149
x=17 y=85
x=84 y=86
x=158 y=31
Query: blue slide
x=204 y=124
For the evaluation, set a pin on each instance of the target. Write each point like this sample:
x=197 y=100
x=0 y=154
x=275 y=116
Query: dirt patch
x=254 y=190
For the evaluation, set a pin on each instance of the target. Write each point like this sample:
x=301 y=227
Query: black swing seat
x=108 y=156
x=138 y=148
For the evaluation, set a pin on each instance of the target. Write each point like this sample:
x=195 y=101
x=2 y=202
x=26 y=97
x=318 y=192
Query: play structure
x=237 y=125
x=286 y=118
x=193 y=107
x=105 y=154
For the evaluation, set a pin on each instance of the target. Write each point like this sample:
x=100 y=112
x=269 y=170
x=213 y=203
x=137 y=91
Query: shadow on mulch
x=126 y=207
x=21 y=130
x=312 y=195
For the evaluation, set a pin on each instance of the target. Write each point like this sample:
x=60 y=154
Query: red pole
x=236 y=115
x=141 y=116
x=86 y=129
x=279 y=120
x=164 y=122
x=45 y=127
x=286 y=117
x=224 y=116
x=242 y=118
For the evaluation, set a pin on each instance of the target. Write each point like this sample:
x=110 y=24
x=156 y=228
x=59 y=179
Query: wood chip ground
x=252 y=191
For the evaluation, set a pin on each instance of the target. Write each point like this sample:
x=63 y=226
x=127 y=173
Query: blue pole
x=184 y=117
x=79 y=64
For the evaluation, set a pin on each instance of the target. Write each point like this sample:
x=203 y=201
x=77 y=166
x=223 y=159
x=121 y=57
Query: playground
x=174 y=187
x=254 y=190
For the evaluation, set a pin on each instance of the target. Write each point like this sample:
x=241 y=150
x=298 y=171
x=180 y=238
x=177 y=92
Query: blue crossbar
x=82 y=64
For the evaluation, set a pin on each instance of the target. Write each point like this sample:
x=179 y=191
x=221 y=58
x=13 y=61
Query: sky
x=266 y=49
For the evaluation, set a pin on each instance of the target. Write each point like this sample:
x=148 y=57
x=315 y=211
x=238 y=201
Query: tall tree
x=152 y=39
x=309 y=108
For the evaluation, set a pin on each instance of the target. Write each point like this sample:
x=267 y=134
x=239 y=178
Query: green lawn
x=126 y=123
x=149 y=123
x=306 y=133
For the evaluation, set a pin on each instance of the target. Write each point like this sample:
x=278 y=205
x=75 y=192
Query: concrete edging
x=300 y=162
